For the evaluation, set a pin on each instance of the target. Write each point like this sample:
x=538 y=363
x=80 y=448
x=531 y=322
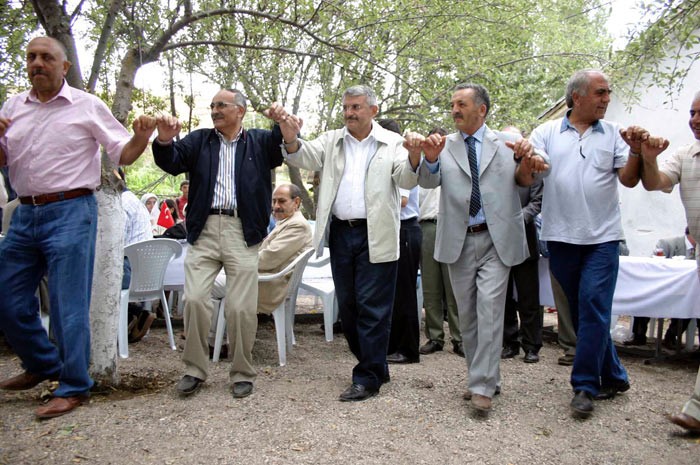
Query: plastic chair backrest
x=293 y=285
x=149 y=260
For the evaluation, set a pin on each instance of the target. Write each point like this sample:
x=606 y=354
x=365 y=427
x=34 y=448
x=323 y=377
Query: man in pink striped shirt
x=50 y=138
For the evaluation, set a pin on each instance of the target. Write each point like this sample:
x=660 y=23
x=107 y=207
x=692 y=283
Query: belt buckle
x=352 y=223
x=34 y=201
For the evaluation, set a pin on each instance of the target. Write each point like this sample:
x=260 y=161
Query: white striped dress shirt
x=225 y=188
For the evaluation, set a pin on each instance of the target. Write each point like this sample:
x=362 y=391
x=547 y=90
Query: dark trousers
x=365 y=293
x=588 y=274
x=404 y=337
x=675 y=329
x=527 y=282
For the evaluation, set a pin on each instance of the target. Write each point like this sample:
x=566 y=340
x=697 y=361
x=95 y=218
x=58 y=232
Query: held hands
x=168 y=128
x=524 y=153
x=431 y=145
x=144 y=126
x=290 y=125
x=653 y=146
x=634 y=136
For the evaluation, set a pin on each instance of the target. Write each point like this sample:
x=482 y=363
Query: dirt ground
x=294 y=417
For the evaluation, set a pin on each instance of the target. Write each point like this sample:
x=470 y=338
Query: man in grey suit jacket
x=480 y=232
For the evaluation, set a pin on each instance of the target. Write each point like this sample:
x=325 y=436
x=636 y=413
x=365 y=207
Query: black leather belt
x=410 y=220
x=475 y=228
x=429 y=220
x=43 y=199
x=351 y=223
x=224 y=211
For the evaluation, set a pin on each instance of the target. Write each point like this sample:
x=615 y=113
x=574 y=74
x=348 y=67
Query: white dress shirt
x=350 y=202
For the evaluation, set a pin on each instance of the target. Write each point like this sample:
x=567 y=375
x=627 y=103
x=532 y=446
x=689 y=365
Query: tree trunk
x=125 y=85
x=106 y=284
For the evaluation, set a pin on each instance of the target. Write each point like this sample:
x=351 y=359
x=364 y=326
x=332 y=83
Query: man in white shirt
x=362 y=167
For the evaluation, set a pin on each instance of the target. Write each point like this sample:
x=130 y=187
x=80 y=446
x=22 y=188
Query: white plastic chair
x=283 y=314
x=325 y=289
x=148 y=260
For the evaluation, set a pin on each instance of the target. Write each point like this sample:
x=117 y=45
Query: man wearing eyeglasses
x=362 y=167
x=228 y=210
x=582 y=226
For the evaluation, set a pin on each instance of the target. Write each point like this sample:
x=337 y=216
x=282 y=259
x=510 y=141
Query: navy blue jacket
x=257 y=153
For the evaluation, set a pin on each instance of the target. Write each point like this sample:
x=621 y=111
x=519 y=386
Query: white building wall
x=650 y=216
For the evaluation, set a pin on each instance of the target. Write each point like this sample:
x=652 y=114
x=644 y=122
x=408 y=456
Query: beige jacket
x=387 y=170
x=286 y=241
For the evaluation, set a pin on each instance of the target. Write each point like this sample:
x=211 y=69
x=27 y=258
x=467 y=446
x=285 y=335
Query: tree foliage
x=662 y=49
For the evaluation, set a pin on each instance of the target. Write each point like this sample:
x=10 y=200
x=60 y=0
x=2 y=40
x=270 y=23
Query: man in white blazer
x=480 y=232
x=362 y=167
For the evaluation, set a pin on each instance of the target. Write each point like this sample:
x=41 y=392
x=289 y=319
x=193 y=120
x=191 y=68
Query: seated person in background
x=683 y=246
x=290 y=237
x=151 y=202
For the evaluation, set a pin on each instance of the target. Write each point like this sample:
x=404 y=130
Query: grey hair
x=357 y=91
x=238 y=98
x=481 y=95
x=293 y=189
x=579 y=83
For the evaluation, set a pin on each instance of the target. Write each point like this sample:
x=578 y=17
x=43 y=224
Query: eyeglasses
x=221 y=105
x=353 y=107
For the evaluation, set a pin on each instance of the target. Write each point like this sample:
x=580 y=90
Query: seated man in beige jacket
x=290 y=237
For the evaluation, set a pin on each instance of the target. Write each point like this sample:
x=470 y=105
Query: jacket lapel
x=489 y=147
x=455 y=146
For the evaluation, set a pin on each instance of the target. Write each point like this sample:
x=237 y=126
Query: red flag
x=165 y=219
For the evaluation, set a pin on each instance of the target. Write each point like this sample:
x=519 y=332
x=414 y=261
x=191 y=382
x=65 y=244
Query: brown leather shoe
x=59 y=406
x=481 y=403
x=23 y=382
x=686 y=421
x=467 y=395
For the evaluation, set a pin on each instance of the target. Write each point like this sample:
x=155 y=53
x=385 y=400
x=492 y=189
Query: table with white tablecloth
x=646 y=286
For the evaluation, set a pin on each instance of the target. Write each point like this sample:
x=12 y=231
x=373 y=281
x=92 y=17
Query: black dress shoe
x=397 y=357
x=531 y=357
x=357 y=392
x=242 y=389
x=582 y=404
x=430 y=347
x=458 y=348
x=635 y=341
x=188 y=385
x=609 y=392
x=509 y=352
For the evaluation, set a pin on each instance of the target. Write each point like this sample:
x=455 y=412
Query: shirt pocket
x=603 y=160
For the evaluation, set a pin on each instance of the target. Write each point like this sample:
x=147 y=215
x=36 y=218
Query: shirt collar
x=695 y=148
x=64 y=93
x=566 y=124
x=235 y=139
x=478 y=135
x=372 y=135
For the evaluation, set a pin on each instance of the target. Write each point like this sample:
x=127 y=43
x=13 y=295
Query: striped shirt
x=683 y=167
x=225 y=188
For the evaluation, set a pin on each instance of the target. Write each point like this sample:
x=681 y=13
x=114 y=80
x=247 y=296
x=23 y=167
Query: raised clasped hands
x=653 y=146
x=529 y=159
x=144 y=126
x=289 y=124
x=634 y=136
x=168 y=127
x=431 y=145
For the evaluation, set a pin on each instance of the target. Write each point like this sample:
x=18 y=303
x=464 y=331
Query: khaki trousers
x=566 y=334
x=221 y=244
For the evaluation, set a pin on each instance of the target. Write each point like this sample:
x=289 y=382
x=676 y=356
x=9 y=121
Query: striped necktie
x=475 y=201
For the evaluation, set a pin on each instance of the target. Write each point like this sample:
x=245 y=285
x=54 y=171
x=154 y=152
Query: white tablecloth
x=646 y=286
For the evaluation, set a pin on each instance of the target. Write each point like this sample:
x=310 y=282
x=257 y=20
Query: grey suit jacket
x=499 y=197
